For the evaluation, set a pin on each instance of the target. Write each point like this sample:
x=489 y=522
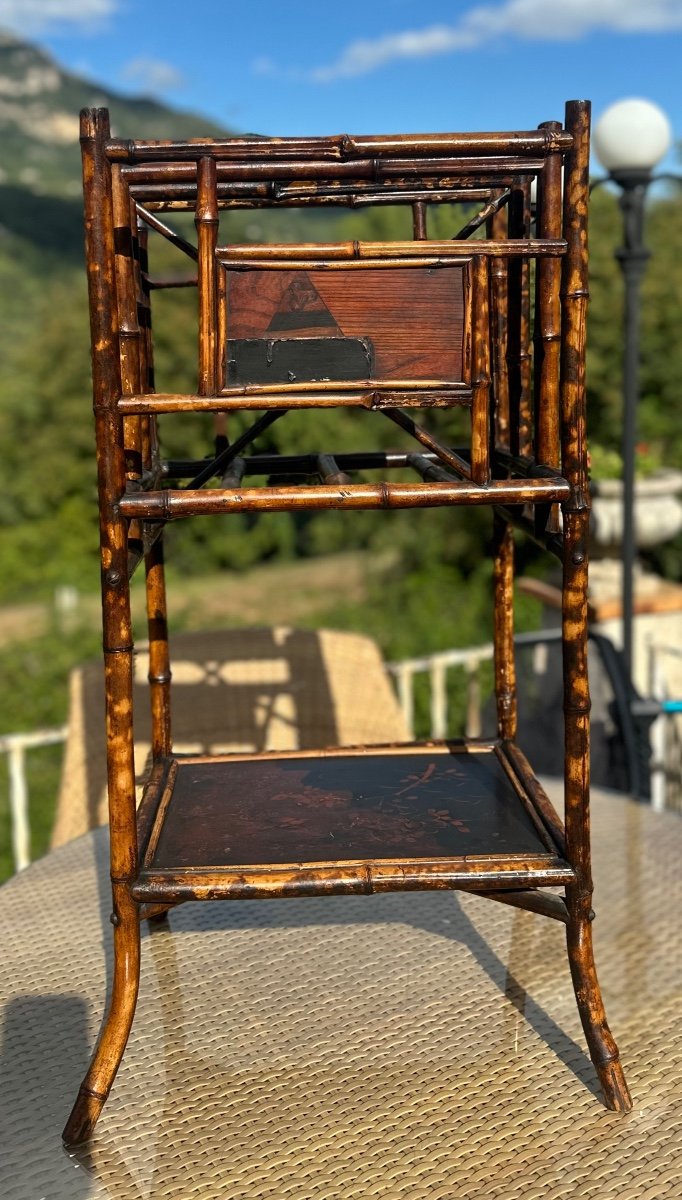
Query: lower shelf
x=365 y=819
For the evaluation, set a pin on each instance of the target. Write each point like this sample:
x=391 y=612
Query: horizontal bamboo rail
x=467 y=171
x=342 y=147
x=306 y=464
x=356 y=194
x=162 y=199
x=370 y=394
x=168 y=505
x=377 y=254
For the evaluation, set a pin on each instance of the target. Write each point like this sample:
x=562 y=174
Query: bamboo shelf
x=483 y=330
x=346 y=821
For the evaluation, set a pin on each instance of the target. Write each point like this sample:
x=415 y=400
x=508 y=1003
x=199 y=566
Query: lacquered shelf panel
x=343 y=820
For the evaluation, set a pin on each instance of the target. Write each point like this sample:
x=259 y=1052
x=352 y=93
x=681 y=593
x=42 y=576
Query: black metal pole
x=632 y=257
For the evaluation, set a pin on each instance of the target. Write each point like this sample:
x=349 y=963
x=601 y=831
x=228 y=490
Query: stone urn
x=658 y=511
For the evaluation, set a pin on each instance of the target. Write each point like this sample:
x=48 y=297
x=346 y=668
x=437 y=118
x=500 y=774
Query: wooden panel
x=410 y=318
x=346 y=807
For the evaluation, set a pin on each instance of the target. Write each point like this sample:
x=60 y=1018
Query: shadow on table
x=46 y=1044
x=435 y=913
x=197 y=1088
x=44 y=1052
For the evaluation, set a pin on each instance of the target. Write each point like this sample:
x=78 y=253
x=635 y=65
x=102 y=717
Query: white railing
x=436 y=666
x=15 y=745
x=666 y=733
x=666 y=730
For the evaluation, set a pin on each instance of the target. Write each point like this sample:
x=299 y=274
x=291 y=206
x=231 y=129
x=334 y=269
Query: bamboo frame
x=499 y=299
x=341 y=255
x=574 y=288
x=518 y=326
x=505 y=670
x=367 y=393
x=480 y=370
x=522 y=455
x=117 y=629
x=340 y=148
x=168 y=505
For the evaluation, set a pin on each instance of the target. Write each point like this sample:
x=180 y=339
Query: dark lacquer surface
x=347 y=807
x=298 y=359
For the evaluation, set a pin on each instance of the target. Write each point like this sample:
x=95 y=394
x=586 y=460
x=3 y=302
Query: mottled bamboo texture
x=525 y=457
x=574 y=289
x=117 y=629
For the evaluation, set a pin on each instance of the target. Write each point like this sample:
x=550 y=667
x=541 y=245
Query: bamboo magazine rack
x=489 y=322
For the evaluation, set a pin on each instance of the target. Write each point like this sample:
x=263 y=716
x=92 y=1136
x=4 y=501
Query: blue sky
x=369 y=67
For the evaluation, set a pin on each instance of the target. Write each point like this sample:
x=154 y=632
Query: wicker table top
x=404 y=1045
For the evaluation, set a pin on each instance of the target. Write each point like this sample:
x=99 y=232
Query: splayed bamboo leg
x=117 y=1023
x=602 y=1047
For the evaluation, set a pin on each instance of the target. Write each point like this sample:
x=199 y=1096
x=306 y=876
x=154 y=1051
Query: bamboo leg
x=602 y=1047
x=117 y=1023
x=117 y=628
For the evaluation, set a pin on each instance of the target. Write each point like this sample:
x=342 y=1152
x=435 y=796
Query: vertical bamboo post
x=419 y=221
x=547 y=330
x=144 y=318
x=117 y=629
x=206 y=221
x=106 y=370
x=220 y=426
x=480 y=370
x=518 y=345
x=504 y=661
x=497 y=230
x=129 y=328
x=574 y=295
x=576 y=512
x=159 y=675
x=129 y=333
x=159 y=656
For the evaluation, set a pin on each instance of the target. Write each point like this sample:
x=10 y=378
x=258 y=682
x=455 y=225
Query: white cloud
x=543 y=20
x=153 y=74
x=41 y=16
x=263 y=66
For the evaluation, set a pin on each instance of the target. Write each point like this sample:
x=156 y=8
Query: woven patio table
x=421 y=1045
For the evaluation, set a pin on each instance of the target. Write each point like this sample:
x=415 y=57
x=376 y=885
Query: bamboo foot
x=601 y=1044
x=616 y=1093
x=84 y=1115
x=116 y=1025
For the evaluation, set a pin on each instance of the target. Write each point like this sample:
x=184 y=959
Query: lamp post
x=630 y=138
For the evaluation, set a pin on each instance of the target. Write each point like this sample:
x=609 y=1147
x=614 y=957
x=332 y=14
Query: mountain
x=41 y=221
x=39 y=106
